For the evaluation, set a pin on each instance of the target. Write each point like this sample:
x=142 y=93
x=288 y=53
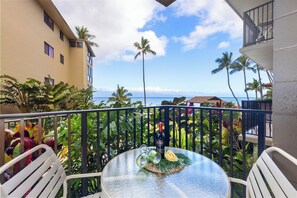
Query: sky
x=188 y=36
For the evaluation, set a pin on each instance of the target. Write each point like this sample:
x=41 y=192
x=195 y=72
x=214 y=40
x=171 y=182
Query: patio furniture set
x=121 y=177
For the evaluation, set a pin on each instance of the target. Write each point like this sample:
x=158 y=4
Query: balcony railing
x=253 y=119
x=258 y=24
x=86 y=140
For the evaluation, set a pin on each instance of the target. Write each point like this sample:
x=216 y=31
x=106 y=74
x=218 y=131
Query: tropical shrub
x=34 y=96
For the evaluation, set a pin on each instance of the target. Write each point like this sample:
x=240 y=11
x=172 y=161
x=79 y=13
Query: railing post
x=69 y=152
x=166 y=124
x=84 y=158
x=2 y=147
x=244 y=29
x=261 y=132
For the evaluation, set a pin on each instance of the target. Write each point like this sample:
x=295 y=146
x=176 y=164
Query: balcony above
x=261 y=53
x=257 y=30
x=241 y=6
x=258 y=24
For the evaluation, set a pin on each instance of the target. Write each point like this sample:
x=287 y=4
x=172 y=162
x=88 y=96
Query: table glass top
x=121 y=177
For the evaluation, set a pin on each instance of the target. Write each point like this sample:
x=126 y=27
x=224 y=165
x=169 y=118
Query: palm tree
x=259 y=69
x=84 y=34
x=120 y=97
x=268 y=95
x=256 y=86
x=270 y=75
x=225 y=63
x=143 y=47
x=242 y=63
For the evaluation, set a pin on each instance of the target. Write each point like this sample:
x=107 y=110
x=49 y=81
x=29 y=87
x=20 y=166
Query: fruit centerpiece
x=172 y=162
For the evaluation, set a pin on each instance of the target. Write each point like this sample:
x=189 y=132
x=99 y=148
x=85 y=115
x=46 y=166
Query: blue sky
x=188 y=36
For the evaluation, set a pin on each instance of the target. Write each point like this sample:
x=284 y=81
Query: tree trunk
x=256 y=94
x=143 y=79
x=261 y=89
x=269 y=76
x=244 y=74
x=228 y=78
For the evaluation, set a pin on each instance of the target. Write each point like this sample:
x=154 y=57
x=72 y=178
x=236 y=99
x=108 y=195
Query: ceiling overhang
x=260 y=53
x=166 y=3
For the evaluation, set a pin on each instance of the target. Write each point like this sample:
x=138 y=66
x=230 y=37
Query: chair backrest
x=43 y=177
x=267 y=180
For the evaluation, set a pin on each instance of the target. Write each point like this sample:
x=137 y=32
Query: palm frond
x=84 y=34
x=217 y=70
x=137 y=45
x=135 y=57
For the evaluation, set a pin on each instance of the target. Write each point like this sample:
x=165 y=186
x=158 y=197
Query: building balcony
x=258 y=24
x=258 y=28
x=86 y=140
x=258 y=34
x=252 y=123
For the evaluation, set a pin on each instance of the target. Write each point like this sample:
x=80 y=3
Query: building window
x=49 y=50
x=48 y=21
x=79 y=44
x=72 y=43
x=61 y=35
x=90 y=59
x=49 y=81
x=61 y=59
x=90 y=74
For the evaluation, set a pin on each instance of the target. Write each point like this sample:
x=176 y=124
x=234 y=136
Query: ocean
x=151 y=101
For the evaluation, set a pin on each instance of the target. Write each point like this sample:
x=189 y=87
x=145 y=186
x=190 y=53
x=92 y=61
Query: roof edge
x=49 y=7
x=233 y=8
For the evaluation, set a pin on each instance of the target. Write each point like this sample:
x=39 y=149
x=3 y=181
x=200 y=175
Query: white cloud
x=223 y=44
x=116 y=24
x=160 y=17
x=215 y=17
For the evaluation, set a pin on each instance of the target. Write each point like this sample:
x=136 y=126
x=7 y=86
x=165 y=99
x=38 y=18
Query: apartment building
x=37 y=42
x=270 y=39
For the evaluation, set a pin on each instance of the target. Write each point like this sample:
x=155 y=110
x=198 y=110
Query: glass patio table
x=121 y=177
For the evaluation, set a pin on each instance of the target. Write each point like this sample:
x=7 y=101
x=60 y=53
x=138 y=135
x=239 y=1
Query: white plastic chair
x=43 y=177
x=266 y=179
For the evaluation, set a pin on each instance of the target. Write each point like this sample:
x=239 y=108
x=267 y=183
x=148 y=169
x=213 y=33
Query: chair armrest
x=235 y=180
x=283 y=153
x=76 y=176
x=239 y=181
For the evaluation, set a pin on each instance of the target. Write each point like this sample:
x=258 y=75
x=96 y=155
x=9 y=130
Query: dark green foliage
x=28 y=96
x=176 y=101
x=34 y=96
x=166 y=166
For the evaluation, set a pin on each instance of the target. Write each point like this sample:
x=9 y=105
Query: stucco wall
x=285 y=76
x=78 y=66
x=23 y=35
